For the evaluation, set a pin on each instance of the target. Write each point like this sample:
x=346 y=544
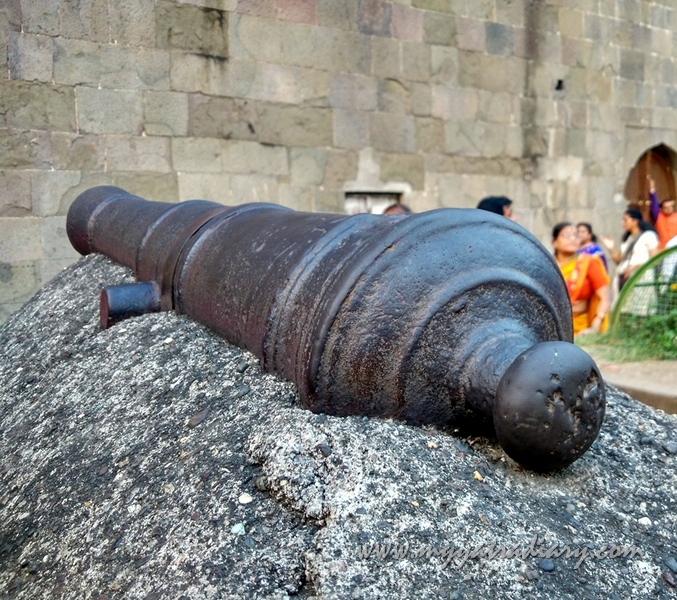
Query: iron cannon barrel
x=432 y=318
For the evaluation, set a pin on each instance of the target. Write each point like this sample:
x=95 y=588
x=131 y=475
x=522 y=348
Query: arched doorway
x=657 y=163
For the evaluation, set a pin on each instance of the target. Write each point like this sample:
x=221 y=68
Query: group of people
x=583 y=262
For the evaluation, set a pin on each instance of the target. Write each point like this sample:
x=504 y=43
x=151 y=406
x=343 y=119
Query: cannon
x=432 y=318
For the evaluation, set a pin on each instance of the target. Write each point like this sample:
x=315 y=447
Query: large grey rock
x=154 y=460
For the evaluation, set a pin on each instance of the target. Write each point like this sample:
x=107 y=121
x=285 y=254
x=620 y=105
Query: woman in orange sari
x=586 y=278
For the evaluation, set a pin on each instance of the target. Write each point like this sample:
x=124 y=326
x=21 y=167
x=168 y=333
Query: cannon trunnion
x=431 y=318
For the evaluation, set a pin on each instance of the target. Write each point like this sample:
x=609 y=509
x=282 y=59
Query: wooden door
x=637 y=186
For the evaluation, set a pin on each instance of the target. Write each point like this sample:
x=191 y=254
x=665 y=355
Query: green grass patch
x=636 y=339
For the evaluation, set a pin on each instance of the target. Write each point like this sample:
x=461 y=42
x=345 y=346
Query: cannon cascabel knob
x=432 y=318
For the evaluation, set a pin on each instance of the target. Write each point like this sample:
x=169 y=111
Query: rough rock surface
x=153 y=460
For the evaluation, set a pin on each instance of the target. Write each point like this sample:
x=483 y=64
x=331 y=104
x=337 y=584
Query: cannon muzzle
x=432 y=318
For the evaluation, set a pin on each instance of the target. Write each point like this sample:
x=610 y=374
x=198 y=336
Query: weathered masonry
x=308 y=102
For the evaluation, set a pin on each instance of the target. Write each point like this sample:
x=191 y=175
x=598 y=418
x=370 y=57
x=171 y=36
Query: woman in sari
x=586 y=278
x=588 y=243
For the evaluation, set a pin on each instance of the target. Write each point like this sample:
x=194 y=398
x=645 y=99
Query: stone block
x=571 y=22
x=576 y=142
x=15 y=193
x=491 y=73
x=429 y=135
x=201 y=155
x=632 y=64
x=109 y=111
x=298 y=45
x=340 y=51
x=84 y=20
x=214 y=187
x=30 y=57
x=299 y=11
x=667 y=71
x=374 y=17
x=7 y=310
x=355 y=92
x=493 y=140
x=258 y=8
x=39 y=16
x=22 y=149
x=457 y=104
x=210 y=75
x=165 y=113
x=154 y=186
x=385 y=57
x=598 y=86
x=137 y=153
x=20 y=239
x=81 y=181
x=341 y=166
x=37 y=106
x=408 y=168
x=421 y=99
x=662 y=42
x=511 y=13
x=256 y=38
x=541 y=17
x=514 y=141
x=132 y=21
x=252 y=157
x=577 y=53
x=4 y=43
x=593 y=28
x=499 y=39
x=394 y=97
x=351 y=129
x=337 y=15
x=329 y=201
x=481 y=9
x=416 y=61
x=290 y=85
x=471 y=35
x=55 y=242
x=444 y=65
x=222 y=117
x=253 y=188
x=192 y=28
x=233 y=78
x=297 y=198
x=307 y=166
x=439 y=29
x=628 y=10
x=77 y=62
x=454 y=7
x=49 y=269
x=19 y=280
x=294 y=125
x=49 y=188
x=229 y=5
x=496 y=107
x=407 y=23
x=392 y=133
x=75 y=152
x=464 y=137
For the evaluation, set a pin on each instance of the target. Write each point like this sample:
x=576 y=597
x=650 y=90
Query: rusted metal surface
x=437 y=317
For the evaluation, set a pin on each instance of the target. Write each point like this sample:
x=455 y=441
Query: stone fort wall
x=550 y=102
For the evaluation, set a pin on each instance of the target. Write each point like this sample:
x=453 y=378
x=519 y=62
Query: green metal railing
x=650 y=291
